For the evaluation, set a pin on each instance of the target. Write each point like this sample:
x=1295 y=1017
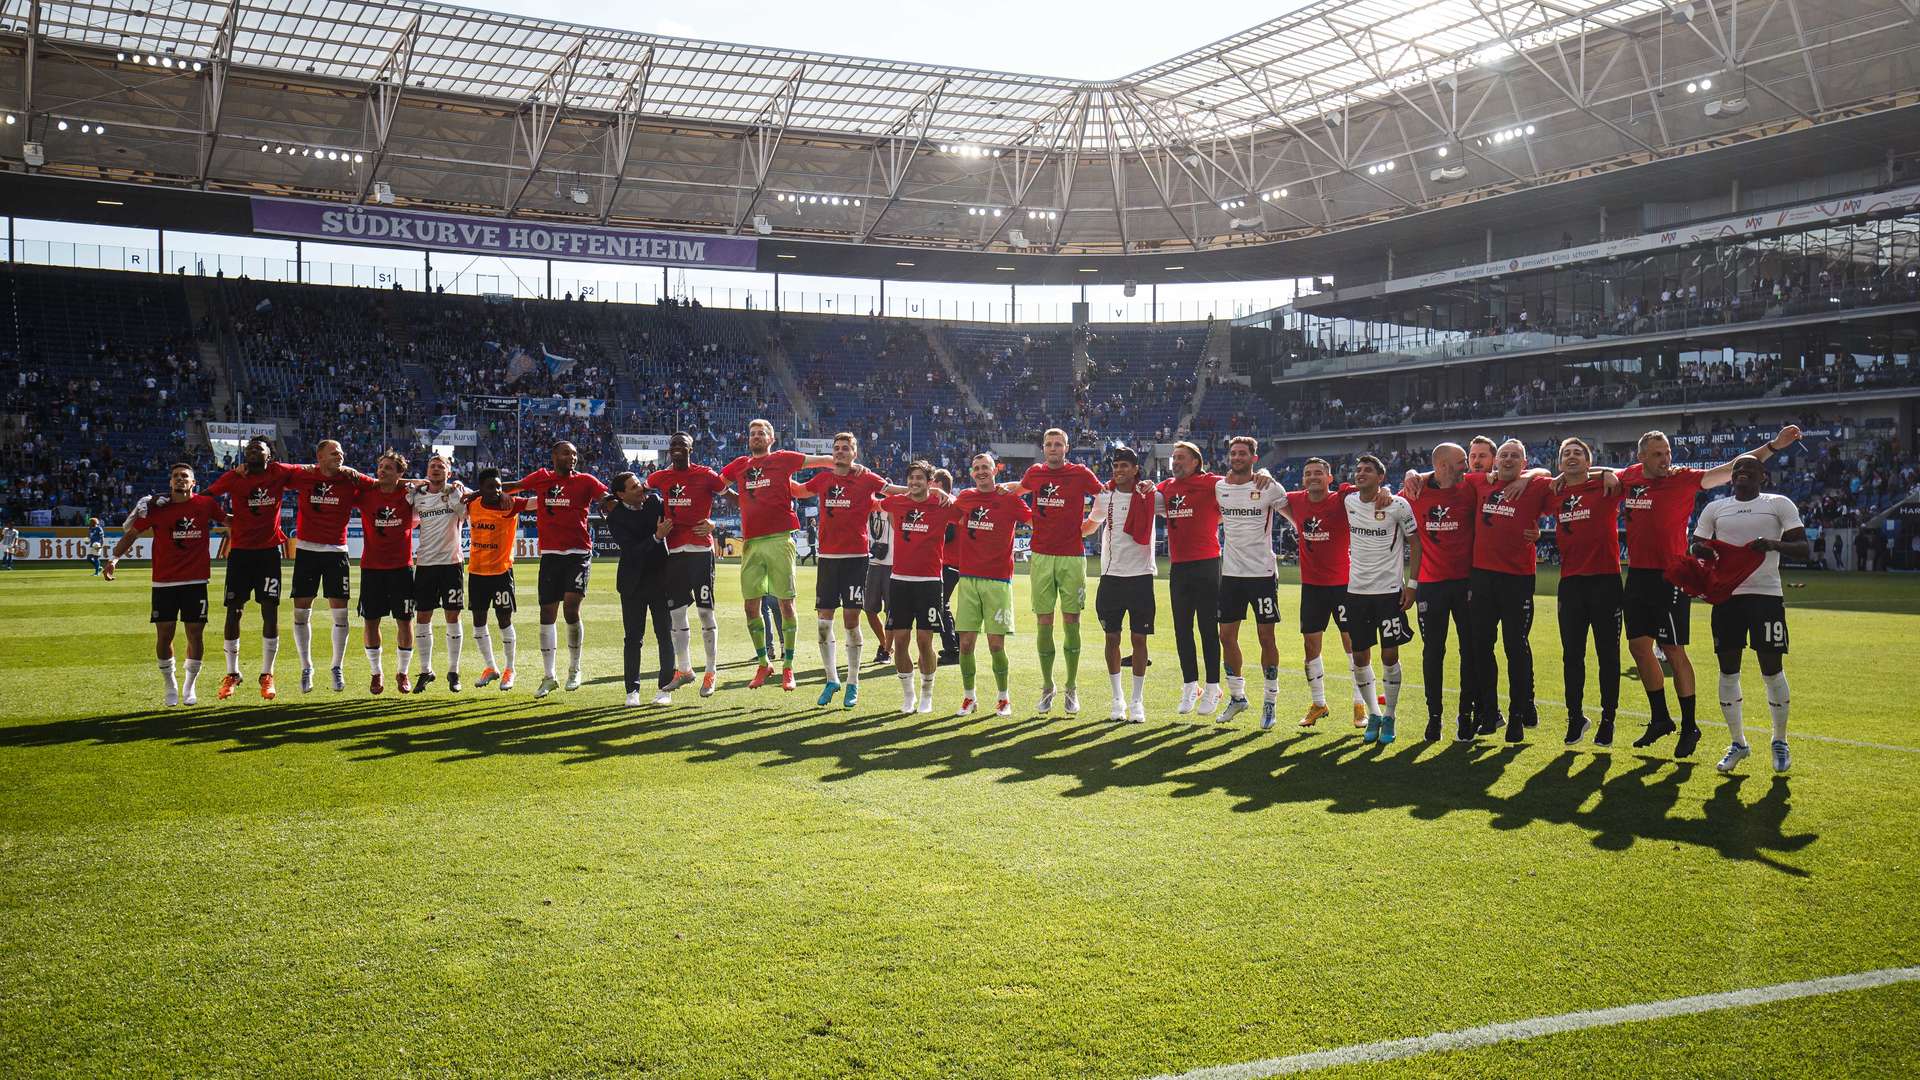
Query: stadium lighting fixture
x=11 y=120
x=786 y=256
x=120 y=56
x=196 y=65
x=899 y=263
x=1003 y=268
x=1173 y=268
x=62 y=125
x=1089 y=269
x=1443 y=152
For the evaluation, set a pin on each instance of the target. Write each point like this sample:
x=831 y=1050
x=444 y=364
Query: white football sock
x=1392 y=672
x=303 y=636
x=824 y=632
x=232 y=647
x=682 y=641
x=1363 y=685
x=710 y=638
x=406 y=657
x=549 y=646
x=1317 y=681
x=906 y=688
x=1731 y=703
x=1237 y=685
x=423 y=638
x=192 y=682
x=510 y=643
x=167 y=676
x=576 y=642
x=1777 y=701
x=269 y=652
x=1273 y=683
x=455 y=638
x=339 y=636
x=856 y=644
x=373 y=660
x=1119 y=686
x=926 y=684
x=1139 y=688
x=484 y=636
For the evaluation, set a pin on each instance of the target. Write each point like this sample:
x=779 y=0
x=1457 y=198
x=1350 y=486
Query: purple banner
x=498 y=236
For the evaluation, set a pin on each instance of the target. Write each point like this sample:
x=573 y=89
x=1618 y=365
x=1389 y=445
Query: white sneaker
x=664 y=697
x=926 y=705
x=1005 y=707
x=1782 y=759
x=1073 y=701
x=548 y=685
x=1235 y=706
x=633 y=698
x=1119 y=711
x=967 y=705
x=1210 y=700
x=1137 y=712
x=1188 y=694
x=173 y=698
x=1735 y=754
x=339 y=681
x=573 y=679
x=1045 y=704
x=306 y=680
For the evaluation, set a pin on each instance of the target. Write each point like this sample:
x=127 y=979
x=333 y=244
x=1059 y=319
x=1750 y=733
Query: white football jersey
x=1246 y=528
x=1764 y=517
x=1120 y=554
x=440 y=513
x=1377 y=544
x=880 y=538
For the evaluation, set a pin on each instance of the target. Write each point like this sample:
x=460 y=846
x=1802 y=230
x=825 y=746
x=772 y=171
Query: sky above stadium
x=1069 y=41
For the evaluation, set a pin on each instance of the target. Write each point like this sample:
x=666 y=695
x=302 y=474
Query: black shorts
x=1317 y=603
x=840 y=583
x=1377 y=618
x=179 y=603
x=1238 y=594
x=491 y=592
x=436 y=587
x=874 y=599
x=563 y=574
x=319 y=573
x=1130 y=598
x=1655 y=609
x=386 y=592
x=253 y=574
x=913 y=604
x=1750 y=620
x=689 y=579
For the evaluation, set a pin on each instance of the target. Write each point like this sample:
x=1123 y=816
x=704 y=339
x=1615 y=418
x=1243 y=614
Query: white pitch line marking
x=1513 y=1030
x=1835 y=739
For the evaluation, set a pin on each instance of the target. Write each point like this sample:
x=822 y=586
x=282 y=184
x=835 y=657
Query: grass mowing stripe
x=1489 y=1034
x=1835 y=739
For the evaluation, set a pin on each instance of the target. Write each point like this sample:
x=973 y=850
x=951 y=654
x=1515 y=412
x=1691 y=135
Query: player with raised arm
x=1249 y=575
x=493 y=528
x=1123 y=515
x=688 y=490
x=323 y=508
x=1754 y=612
x=440 y=505
x=255 y=491
x=1659 y=499
x=984 y=518
x=1316 y=516
x=182 y=566
x=1378 y=595
x=1057 y=571
x=1585 y=509
x=386 y=566
x=1442 y=561
x=919 y=517
x=564 y=496
x=761 y=477
x=845 y=496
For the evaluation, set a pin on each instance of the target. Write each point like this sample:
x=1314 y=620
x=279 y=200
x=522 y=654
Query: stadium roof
x=1331 y=115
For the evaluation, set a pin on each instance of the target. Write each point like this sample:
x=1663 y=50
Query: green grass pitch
x=750 y=886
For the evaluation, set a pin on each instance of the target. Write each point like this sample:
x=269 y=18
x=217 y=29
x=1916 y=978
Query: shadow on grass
x=1618 y=800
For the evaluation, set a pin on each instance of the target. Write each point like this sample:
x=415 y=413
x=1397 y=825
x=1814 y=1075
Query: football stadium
x=561 y=542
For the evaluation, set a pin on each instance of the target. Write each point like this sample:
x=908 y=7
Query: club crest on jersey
x=1572 y=502
x=756 y=478
x=677 y=491
x=977 y=519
